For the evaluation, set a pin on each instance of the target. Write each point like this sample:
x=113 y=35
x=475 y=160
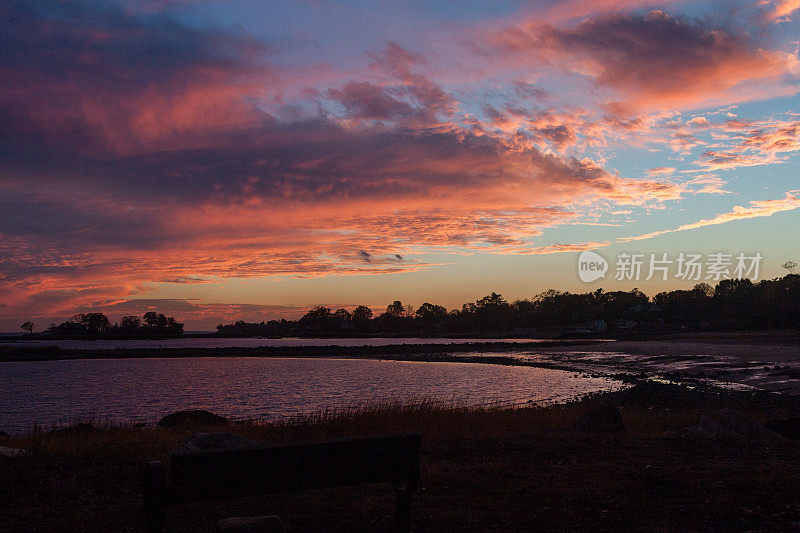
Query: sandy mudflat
x=757 y=361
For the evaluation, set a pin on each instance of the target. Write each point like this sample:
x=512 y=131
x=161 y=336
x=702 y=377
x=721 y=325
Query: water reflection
x=143 y=390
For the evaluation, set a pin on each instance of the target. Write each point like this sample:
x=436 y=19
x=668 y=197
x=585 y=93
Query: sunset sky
x=216 y=160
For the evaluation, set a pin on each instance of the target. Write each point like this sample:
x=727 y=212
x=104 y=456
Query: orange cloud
x=307 y=204
x=783 y=9
x=754 y=143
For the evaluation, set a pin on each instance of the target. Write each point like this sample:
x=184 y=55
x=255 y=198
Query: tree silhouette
x=27 y=326
x=95 y=323
x=361 y=317
x=343 y=315
x=130 y=323
x=396 y=309
x=493 y=311
x=431 y=316
x=317 y=319
x=156 y=320
x=362 y=313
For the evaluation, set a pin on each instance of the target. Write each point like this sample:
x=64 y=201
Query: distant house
x=587 y=329
x=626 y=325
x=598 y=325
x=642 y=309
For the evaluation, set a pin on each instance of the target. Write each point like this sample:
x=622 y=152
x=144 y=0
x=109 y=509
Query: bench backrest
x=194 y=476
x=269 y=470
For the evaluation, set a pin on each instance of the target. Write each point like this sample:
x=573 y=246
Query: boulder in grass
x=251 y=524
x=601 y=418
x=192 y=417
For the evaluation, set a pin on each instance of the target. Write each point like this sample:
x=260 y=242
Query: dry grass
x=436 y=422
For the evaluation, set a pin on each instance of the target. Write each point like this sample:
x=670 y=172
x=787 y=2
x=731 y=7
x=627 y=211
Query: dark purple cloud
x=96 y=78
x=655 y=58
x=367 y=101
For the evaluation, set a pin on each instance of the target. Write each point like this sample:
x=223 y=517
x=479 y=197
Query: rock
x=193 y=417
x=251 y=524
x=215 y=441
x=711 y=428
x=732 y=428
x=786 y=427
x=5 y=451
x=600 y=418
x=751 y=431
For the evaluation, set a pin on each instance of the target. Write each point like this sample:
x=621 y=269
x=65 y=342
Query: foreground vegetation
x=506 y=469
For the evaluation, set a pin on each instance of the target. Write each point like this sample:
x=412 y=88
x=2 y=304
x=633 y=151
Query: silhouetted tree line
x=731 y=305
x=737 y=304
x=97 y=325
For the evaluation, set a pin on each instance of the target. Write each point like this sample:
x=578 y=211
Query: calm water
x=244 y=342
x=143 y=390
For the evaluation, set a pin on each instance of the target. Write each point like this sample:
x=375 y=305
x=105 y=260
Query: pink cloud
x=698 y=122
x=574 y=9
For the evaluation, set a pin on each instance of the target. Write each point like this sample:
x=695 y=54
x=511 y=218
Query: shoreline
x=763 y=361
x=52 y=352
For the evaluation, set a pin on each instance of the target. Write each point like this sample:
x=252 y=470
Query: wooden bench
x=195 y=476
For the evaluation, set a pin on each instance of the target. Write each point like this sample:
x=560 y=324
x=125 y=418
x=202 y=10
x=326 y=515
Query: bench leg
x=154 y=492
x=402 y=513
x=155 y=520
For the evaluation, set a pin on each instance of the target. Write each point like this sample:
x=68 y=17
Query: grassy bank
x=505 y=469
